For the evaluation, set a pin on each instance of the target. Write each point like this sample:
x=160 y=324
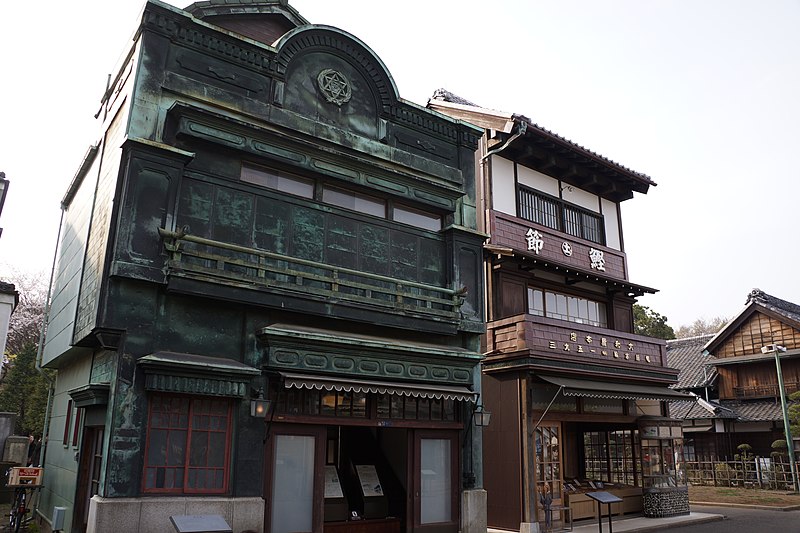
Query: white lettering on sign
x=535 y=241
x=598 y=261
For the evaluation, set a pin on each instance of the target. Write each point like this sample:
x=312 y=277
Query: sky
x=703 y=97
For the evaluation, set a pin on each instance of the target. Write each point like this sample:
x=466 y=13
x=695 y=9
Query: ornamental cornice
x=367 y=366
x=214 y=43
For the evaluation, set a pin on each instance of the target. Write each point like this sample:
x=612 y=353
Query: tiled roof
x=788 y=309
x=755 y=411
x=687 y=410
x=447 y=96
x=696 y=369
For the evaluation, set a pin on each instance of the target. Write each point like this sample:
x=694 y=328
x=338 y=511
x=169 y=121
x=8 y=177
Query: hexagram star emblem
x=334 y=86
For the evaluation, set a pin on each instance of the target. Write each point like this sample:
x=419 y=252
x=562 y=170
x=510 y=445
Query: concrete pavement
x=636 y=524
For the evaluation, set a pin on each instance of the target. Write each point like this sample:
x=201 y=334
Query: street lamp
x=777 y=349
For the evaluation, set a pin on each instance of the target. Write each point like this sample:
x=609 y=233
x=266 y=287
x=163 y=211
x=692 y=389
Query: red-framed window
x=188 y=445
x=77 y=429
x=67 y=422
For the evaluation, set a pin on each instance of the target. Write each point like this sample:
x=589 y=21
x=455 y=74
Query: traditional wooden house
x=578 y=399
x=264 y=219
x=732 y=370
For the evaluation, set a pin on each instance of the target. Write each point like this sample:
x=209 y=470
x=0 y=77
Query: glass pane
x=436 y=492
x=293 y=482
x=535 y=302
x=417 y=218
x=383 y=406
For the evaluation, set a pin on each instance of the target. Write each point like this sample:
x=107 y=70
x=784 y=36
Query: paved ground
x=711 y=518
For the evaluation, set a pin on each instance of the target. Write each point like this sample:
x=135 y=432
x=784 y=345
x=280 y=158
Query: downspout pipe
x=522 y=127
x=39 y=353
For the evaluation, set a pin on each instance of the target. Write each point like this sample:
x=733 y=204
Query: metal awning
x=187 y=373
x=696 y=429
x=346 y=384
x=615 y=390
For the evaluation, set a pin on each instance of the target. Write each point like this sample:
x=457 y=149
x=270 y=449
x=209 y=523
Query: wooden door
x=434 y=468
x=91 y=460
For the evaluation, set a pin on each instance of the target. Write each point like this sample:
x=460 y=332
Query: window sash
x=563 y=307
x=557 y=214
x=188 y=445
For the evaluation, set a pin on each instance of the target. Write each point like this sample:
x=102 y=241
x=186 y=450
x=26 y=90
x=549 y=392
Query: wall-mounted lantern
x=259 y=406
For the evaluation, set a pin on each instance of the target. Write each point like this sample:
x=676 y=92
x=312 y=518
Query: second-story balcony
x=540 y=343
x=272 y=277
x=767 y=390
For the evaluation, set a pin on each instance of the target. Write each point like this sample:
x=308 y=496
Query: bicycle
x=24 y=480
x=19 y=508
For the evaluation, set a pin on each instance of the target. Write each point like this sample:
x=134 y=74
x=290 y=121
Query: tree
x=651 y=324
x=701 y=327
x=24 y=388
x=24 y=391
x=26 y=320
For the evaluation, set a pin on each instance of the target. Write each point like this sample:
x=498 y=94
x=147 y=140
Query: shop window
x=611 y=456
x=566 y=307
x=408 y=408
x=188 y=445
x=325 y=403
x=559 y=215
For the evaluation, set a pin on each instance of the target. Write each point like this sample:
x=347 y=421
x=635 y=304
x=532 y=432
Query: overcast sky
x=704 y=97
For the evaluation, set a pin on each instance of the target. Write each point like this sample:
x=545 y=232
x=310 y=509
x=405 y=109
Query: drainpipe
x=522 y=127
x=39 y=352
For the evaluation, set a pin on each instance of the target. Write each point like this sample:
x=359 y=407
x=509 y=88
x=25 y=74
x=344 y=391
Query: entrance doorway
x=351 y=479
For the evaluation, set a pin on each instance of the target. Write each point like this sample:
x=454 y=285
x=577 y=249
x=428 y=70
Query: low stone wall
x=151 y=515
x=659 y=503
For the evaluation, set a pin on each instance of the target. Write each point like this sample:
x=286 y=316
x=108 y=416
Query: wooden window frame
x=67 y=423
x=526 y=209
x=193 y=405
x=76 y=430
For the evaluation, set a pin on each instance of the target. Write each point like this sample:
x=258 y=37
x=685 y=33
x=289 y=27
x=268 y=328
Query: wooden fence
x=756 y=472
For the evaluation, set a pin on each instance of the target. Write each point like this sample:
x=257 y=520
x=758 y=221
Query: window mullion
x=187 y=447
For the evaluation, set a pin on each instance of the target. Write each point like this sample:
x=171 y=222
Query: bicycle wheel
x=18 y=511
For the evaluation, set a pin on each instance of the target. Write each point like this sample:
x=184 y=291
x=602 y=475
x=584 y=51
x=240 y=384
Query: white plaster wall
x=504 y=198
x=537 y=180
x=611 y=220
x=581 y=198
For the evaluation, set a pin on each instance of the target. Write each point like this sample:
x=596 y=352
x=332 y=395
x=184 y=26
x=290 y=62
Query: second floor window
x=566 y=307
x=560 y=216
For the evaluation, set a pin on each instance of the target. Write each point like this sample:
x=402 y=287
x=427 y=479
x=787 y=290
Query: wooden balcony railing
x=769 y=390
x=573 y=342
x=205 y=259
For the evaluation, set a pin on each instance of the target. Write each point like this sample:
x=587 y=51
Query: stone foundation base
x=151 y=515
x=660 y=503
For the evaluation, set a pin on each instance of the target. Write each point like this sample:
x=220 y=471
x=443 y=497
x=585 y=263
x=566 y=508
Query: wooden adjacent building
x=262 y=217
x=578 y=399
x=741 y=381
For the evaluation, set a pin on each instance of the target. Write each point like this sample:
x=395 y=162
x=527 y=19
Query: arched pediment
x=334 y=78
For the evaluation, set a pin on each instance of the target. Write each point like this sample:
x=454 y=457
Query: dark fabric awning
x=617 y=390
x=417 y=390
